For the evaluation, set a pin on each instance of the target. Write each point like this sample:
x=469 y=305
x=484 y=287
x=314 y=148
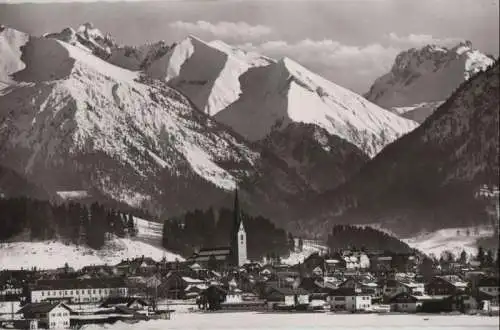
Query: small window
x=89 y=291
x=93 y=291
x=43 y=294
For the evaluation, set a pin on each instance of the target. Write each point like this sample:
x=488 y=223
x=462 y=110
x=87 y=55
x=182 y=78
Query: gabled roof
x=453 y=280
x=43 y=307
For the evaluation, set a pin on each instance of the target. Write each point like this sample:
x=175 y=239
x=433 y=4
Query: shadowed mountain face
x=323 y=160
x=428 y=178
x=14 y=185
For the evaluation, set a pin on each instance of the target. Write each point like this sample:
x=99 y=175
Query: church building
x=235 y=255
x=238 y=236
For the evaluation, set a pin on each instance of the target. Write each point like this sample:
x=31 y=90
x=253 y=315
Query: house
x=364 y=286
x=449 y=303
x=276 y=296
x=347 y=299
x=9 y=308
x=99 y=270
x=78 y=290
x=405 y=302
x=212 y=297
x=380 y=263
x=212 y=258
x=392 y=288
x=138 y=266
x=234 y=296
x=50 y=315
x=179 y=285
x=446 y=285
x=487 y=288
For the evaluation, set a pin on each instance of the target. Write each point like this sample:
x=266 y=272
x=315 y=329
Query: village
x=223 y=279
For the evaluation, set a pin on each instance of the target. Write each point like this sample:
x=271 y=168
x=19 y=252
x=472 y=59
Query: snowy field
x=263 y=321
x=53 y=254
x=447 y=239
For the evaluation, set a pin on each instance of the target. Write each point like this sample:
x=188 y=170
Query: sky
x=350 y=42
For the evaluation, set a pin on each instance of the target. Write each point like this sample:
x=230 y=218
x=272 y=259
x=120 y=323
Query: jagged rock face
x=72 y=121
x=323 y=160
x=92 y=40
x=422 y=79
x=427 y=179
x=255 y=95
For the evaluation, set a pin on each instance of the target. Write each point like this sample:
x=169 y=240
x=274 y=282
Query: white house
x=234 y=296
x=348 y=299
x=49 y=315
x=78 y=290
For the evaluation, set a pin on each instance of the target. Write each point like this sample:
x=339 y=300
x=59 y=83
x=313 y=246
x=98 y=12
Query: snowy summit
x=422 y=79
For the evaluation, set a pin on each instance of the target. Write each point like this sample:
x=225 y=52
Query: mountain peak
x=421 y=79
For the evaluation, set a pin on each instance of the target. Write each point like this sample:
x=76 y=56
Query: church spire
x=236 y=211
x=238 y=235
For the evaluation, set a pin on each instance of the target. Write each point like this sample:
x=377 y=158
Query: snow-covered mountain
x=71 y=121
x=422 y=79
x=256 y=95
x=208 y=73
x=285 y=92
x=11 y=42
x=428 y=178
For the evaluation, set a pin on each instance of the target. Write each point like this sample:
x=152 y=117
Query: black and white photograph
x=249 y=164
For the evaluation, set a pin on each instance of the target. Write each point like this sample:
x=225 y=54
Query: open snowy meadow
x=297 y=321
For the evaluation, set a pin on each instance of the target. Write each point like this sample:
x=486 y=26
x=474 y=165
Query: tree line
x=80 y=224
x=211 y=228
x=364 y=238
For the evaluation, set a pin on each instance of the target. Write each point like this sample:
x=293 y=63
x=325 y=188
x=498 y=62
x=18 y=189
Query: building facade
x=78 y=291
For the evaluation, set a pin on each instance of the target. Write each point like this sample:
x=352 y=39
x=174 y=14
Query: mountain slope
x=72 y=122
x=325 y=161
x=54 y=254
x=14 y=185
x=427 y=179
x=11 y=42
x=208 y=73
x=422 y=79
x=256 y=95
x=285 y=92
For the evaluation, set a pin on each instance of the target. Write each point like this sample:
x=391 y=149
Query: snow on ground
x=54 y=254
x=308 y=248
x=447 y=239
x=75 y=194
x=311 y=321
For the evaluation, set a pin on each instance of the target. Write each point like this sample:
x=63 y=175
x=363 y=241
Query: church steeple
x=238 y=235
x=236 y=211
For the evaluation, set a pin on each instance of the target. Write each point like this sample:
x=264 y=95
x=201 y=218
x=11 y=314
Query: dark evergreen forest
x=75 y=222
x=211 y=228
x=364 y=238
